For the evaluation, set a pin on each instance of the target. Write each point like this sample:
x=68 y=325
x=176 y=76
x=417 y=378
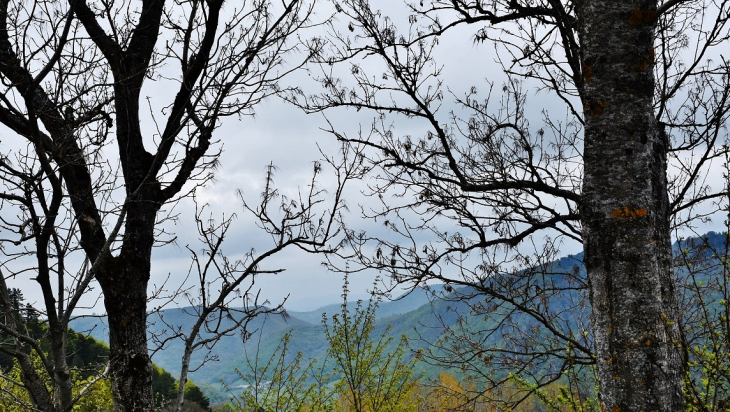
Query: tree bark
x=125 y=278
x=124 y=282
x=625 y=211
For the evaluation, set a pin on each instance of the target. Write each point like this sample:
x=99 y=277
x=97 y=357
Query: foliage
x=164 y=386
x=559 y=396
x=14 y=397
x=371 y=378
x=85 y=354
x=703 y=267
x=86 y=357
x=282 y=383
x=367 y=375
x=449 y=394
x=704 y=340
x=97 y=395
x=195 y=395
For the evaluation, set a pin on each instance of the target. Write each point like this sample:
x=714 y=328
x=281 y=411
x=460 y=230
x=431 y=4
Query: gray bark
x=625 y=211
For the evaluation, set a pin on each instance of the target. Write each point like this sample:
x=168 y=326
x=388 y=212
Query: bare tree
x=82 y=174
x=703 y=286
x=645 y=97
x=227 y=300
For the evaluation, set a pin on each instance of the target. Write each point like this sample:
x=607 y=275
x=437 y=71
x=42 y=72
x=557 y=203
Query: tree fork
x=625 y=210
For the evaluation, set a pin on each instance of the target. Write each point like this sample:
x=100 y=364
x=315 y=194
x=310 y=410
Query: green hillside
x=89 y=356
x=422 y=316
x=230 y=352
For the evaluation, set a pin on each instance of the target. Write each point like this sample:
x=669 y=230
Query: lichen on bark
x=625 y=212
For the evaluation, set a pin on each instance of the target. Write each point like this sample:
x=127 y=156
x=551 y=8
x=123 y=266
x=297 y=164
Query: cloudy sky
x=290 y=139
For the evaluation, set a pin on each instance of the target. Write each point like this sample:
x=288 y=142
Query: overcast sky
x=283 y=135
x=291 y=140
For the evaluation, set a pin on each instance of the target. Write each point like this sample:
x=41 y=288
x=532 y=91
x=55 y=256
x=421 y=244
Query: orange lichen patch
x=641 y=17
x=626 y=213
x=587 y=72
x=641 y=65
x=596 y=109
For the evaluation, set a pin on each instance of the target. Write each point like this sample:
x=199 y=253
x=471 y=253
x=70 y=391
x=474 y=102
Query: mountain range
x=420 y=314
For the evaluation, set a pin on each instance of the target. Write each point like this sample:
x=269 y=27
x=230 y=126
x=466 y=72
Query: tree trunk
x=61 y=374
x=130 y=364
x=625 y=211
x=124 y=283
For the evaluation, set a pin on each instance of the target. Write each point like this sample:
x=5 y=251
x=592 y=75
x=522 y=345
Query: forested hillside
x=210 y=154
x=87 y=357
x=437 y=321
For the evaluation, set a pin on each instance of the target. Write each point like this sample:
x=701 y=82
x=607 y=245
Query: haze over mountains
x=417 y=314
x=267 y=331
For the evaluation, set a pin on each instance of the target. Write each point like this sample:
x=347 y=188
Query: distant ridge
x=411 y=311
x=404 y=303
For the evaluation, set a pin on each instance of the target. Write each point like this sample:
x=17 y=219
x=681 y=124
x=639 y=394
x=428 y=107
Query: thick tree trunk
x=130 y=364
x=125 y=280
x=625 y=211
x=125 y=297
x=125 y=284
